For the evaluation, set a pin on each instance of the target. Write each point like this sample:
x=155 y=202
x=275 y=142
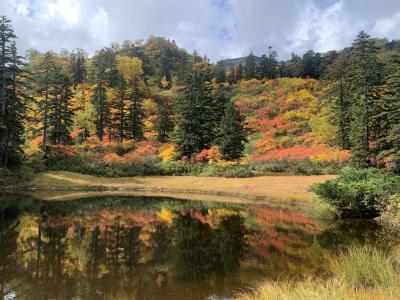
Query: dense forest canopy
x=152 y=99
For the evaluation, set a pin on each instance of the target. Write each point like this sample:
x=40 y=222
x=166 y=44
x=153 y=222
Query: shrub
x=15 y=177
x=359 y=193
x=301 y=167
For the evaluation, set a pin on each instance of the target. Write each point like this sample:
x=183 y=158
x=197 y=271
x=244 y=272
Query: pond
x=160 y=248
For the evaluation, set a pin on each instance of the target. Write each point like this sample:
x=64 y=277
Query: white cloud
x=220 y=29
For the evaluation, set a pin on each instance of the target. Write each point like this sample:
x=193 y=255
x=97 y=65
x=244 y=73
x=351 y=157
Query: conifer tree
x=220 y=76
x=77 y=67
x=338 y=72
x=269 y=65
x=231 y=78
x=364 y=81
x=60 y=113
x=238 y=73
x=99 y=97
x=232 y=133
x=195 y=121
x=119 y=118
x=11 y=96
x=164 y=124
x=250 y=67
x=391 y=112
x=220 y=103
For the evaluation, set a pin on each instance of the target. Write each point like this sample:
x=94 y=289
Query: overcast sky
x=217 y=28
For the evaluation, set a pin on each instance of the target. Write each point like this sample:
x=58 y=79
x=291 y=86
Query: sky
x=216 y=28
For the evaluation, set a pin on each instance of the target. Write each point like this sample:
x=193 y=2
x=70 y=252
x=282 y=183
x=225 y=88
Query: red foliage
x=37 y=140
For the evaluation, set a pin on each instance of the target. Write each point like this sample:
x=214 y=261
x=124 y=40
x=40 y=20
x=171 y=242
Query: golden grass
x=317 y=289
x=360 y=273
x=290 y=188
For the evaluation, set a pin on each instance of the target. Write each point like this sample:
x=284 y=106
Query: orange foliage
x=212 y=154
x=296 y=153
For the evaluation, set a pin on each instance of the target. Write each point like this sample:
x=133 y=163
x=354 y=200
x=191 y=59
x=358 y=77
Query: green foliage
x=9 y=178
x=302 y=167
x=86 y=165
x=164 y=124
x=12 y=96
x=250 y=67
x=195 y=122
x=364 y=81
x=362 y=193
x=232 y=133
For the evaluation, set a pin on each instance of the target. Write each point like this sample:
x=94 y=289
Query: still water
x=160 y=248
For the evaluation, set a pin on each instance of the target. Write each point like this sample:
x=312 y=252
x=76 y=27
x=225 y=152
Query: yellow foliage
x=300 y=96
x=164 y=82
x=249 y=83
x=32 y=149
x=165 y=215
x=295 y=114
x=331 y=156
x=149 y=106
x=322 y=128
x=129 y=67
x=167 y=153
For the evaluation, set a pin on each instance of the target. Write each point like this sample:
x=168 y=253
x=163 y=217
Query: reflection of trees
x=121 y=248
x=200 y=251
x=8 y=236
x=345 y=233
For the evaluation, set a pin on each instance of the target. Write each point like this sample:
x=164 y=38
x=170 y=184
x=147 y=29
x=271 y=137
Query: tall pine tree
x=232 y=133
x=195 y=121
x=11 y=96
x=364 y=81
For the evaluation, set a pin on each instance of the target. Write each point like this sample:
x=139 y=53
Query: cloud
x=218 y=28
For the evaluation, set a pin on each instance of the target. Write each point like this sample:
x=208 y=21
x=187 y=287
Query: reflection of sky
x=217 y=28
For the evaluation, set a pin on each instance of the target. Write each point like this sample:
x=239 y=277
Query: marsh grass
x=365 y=266
x=317 y=289
x=358 y=273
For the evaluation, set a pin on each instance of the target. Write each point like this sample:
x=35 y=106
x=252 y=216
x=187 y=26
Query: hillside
x=289 y=119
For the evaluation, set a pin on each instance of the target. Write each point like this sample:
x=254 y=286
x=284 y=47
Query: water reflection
x=151 y=248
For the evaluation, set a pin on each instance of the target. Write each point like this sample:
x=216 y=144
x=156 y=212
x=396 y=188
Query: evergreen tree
x=311 y=64
x=60 y=113
x=220 y=76
x=164 y=124
x=231 y=78
x=11 y=95
x=250 y=67
x=45 y=75
x=391 y=113
x=220 y=103
x=99 y=97
x=338 y=72
x=238 y=73
x=136 y=120
x=77 y=67
x=195 y=121
x=232 y=133
x=119 y=119
x=364 y=81
x=269 y=65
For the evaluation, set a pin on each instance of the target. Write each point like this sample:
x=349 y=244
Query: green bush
x=15 y=177
x=359 y=193
x=302 y=167
x=86 y=165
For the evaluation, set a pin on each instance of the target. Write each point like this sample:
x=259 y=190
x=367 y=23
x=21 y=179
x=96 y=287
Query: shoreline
x=255 y=189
